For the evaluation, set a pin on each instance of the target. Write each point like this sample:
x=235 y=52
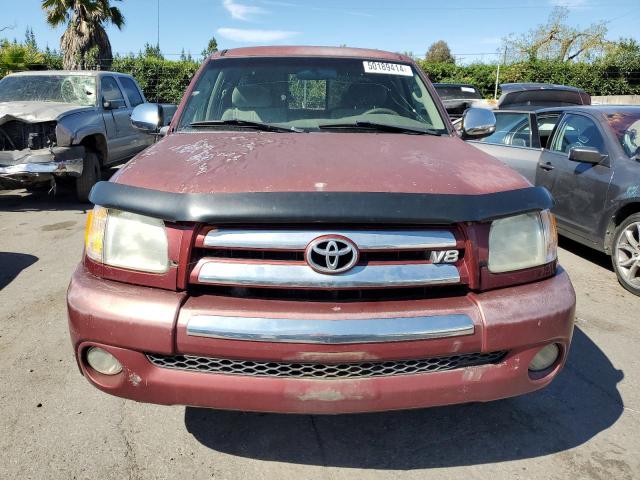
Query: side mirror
x=586 y=155
x=477 y=123
x=147 y=117
x=106 y=104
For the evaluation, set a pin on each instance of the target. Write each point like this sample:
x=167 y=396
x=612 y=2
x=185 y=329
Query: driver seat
x=359 y=98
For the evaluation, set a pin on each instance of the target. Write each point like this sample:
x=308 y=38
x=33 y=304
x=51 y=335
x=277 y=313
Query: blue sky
x=473 y=29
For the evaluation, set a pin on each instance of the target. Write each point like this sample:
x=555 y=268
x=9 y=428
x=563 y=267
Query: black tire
x=625 y=253
x=90 y=176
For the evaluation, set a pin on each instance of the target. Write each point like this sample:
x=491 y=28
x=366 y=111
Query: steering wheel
x=381 y=110
x=68 y=91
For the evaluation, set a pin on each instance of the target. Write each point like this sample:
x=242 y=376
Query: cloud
x=255 y=36
x=239 y=11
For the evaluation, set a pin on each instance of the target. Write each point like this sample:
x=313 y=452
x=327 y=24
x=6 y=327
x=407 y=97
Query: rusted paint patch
x=331 y=357
x=333 y=391
x=474 y=374
x=134 y=379
x=327 y=395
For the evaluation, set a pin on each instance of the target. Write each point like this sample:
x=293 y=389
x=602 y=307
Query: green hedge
x=598 y=78
x=161 y=80
x=166 y=80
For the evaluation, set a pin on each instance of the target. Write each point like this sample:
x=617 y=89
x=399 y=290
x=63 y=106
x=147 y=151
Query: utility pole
x=158 y=31
x=504 y=60
x=158 y=63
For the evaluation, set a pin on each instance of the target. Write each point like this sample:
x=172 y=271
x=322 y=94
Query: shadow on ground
x=11 y=264
x=594 y=256
x=20 y=200
x=579 y=404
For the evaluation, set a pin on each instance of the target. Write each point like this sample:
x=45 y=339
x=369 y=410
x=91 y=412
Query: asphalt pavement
x=55 y=425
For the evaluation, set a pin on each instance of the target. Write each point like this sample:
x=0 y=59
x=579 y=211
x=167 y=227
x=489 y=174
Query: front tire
x=90 y=176
x=625 y=253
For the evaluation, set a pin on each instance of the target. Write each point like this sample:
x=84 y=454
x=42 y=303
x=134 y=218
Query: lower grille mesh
x=321 y=370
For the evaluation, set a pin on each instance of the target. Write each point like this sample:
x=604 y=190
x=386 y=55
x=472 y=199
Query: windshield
x=450 y=92
x=626 y=127
x=309 y=93
x=76 y=89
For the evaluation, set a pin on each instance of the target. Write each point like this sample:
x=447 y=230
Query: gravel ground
x=55 y=425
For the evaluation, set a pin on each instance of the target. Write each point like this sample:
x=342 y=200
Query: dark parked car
x=532 y=96
x=517 y=124
x=457 y=97
x=312 y=236
x=588 y=158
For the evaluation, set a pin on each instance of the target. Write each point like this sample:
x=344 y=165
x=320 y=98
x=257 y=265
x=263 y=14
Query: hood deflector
x=320 y=207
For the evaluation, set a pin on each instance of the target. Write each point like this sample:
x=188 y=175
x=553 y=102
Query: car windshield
x=626 y=127
x=309 y=94
x=450 y=92
x=75 y=89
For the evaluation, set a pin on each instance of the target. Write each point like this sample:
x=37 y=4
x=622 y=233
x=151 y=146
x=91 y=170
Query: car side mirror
x=477 y=123
x=106 y=104
x=147 y=117
x=586 y=155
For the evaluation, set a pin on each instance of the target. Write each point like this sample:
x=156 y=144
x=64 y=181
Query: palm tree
x=84 y=43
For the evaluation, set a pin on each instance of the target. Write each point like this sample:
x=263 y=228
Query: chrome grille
x=275 y=259
x=321 y=370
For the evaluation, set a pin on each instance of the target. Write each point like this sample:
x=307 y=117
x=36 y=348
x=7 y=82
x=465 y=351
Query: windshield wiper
x=267 y=127
x=382 y=127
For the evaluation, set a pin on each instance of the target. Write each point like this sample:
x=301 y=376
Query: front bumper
x=131 y=321
x=29 y=166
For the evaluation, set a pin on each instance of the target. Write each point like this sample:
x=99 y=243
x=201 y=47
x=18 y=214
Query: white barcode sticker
x=388 y=68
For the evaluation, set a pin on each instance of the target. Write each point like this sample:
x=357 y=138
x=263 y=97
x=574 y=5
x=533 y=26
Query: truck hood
x=234 y=162
x=36 y=111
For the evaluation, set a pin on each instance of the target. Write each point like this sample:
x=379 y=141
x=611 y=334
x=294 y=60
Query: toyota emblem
x=331 y=254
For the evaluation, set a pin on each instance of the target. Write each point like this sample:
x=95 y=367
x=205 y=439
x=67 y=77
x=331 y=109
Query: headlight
x=127 y=240
x=522 y=241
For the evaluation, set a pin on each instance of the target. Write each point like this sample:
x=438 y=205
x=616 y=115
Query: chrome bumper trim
x=73 y=167
x=329 y=331
x=299 y=239
x=301 y=276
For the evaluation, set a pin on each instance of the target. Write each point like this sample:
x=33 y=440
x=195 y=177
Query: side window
x=111 y=92
x=546 y=124
x=512 y=129
x=577 y=131
x=130 y=88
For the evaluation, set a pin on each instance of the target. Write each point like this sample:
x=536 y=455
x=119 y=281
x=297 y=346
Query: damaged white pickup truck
x=64 y=126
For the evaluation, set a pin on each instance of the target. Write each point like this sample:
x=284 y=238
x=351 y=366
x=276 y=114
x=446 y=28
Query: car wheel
x=90 y=175
x=626 y=253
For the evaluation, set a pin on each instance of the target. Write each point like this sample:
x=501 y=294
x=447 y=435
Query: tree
x=15 y=57
x=30 y=39
x=85 y=42
x=212 y=47
x=556 y=40
x=185 y=56
x=152 y=51
x=439 y=52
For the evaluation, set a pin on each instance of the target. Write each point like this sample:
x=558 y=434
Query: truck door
x=579 y=189
x=138 y=140
x=116 y=116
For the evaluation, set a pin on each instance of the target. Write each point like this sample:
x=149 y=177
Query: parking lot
x=55 y=425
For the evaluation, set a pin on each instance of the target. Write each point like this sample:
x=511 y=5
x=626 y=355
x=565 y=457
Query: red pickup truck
x=311 y=235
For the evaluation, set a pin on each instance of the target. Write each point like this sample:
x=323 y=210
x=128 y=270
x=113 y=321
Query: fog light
x=546 y=357
x=102 y=361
